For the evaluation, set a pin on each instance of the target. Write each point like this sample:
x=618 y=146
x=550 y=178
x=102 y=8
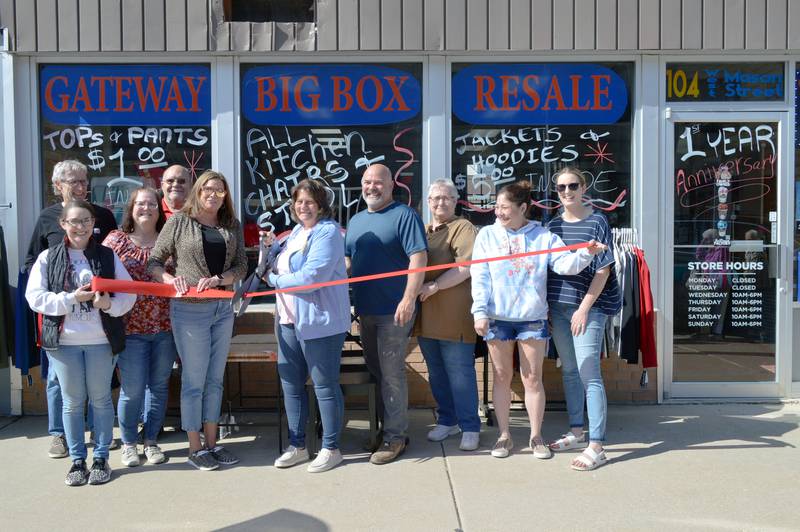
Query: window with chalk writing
x=126 y=123
x=326 y=122
x=525 y=121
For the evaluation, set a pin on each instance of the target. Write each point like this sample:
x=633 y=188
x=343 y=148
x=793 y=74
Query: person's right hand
x=267 y=237
x=482 y=326
x=84 y=293
x=179 y=283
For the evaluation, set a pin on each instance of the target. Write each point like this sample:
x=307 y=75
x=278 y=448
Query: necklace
x=143 y=242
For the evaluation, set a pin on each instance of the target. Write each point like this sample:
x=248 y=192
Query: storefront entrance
x=727 y=290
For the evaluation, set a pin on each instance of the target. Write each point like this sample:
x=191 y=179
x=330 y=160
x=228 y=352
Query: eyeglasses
x=145 y=204
x=211 y=191
x=572 y=186
x=80 y=222
x=437 y=199
x=174 y=181
x=75 y=182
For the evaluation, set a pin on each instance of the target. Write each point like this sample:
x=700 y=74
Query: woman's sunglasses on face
x=572 y=186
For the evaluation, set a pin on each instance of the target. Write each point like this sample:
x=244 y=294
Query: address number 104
x=678 y=85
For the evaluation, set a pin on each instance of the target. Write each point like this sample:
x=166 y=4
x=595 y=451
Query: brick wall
x=621 y=379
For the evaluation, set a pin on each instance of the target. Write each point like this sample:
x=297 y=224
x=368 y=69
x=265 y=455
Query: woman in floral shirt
x=146 y=362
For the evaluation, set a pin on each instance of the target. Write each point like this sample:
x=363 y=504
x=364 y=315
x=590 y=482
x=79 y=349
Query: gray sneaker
x=130 y=455
x=154 y=454
x=58 y=447
x=203 y=460
x=223 y=455
x=100 y=472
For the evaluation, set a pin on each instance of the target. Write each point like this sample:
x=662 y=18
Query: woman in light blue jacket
x=311 y=324
x=510 y=305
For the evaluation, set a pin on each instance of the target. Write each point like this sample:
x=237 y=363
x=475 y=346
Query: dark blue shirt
x=571 y=289
x=379 y=242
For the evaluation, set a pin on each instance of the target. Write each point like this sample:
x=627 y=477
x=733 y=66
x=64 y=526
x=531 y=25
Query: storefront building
x=681 y=115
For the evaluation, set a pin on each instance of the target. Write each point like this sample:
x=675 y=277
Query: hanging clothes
x=647 y=321
x=26 y=353
x=631 y=311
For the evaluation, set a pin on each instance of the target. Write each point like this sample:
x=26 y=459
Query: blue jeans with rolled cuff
x=454 y=385
x=321 y=358
x=202 y=333
x=84 y=372
x=580 y=368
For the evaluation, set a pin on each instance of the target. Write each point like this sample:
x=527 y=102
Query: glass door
x=725 y=294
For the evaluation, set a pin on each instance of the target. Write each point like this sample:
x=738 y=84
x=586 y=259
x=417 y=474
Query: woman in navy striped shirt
x=579 y=307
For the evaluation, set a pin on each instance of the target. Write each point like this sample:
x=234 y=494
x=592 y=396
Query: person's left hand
x=578 y=322
x=207 y=282
x=404 y=311
x=596 y=247
x=428 y=289
x=101 y=301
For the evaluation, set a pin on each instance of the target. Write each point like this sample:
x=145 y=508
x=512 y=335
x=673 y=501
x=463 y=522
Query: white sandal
x=591 y=459
x=568 y=441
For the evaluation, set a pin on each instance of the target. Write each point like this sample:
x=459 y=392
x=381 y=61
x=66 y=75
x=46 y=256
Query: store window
x=796 y=254
x=515 y=121
x=127 y=123
x=326 y=122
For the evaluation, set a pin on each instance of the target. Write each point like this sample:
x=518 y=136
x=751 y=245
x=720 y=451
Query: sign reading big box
x=127 y=123
x=327 y=122
x=525 y=121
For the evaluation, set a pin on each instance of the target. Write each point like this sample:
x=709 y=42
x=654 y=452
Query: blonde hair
x=567 y=170
x=225 y=216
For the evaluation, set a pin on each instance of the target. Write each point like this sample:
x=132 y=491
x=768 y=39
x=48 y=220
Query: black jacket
x=101 y=260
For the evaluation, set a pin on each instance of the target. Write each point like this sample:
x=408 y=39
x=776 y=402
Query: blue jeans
x=451 y=372
x=517 y=330
x=84 y=372
x=321 y=358
x=55 y=406
x=385 y=351
x=145 y=364
x=580 y=368
x=202 y=334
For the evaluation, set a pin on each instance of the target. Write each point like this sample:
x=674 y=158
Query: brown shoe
x=388 y=452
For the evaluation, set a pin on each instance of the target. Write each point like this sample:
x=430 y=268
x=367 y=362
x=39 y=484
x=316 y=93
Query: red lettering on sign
x=396 y=95
x=510 y=89
x=101 y=81
x=195 y=91
x=554 y=93
x=81 y=94
x=576 y=106
x=118 y=108
x=528 y=88
x=596 y=79
x=174 y=95
x=341 y=91
x=285 y=81
x=484 y=85
x=48 y=95
x=268 y=92
x=378 y=93
x=149 y=93
x=314 y=97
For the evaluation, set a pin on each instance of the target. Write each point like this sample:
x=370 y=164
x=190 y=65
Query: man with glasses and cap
x=70 y=182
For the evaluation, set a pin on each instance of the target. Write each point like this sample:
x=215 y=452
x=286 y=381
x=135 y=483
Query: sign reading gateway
x=105 y=95
x=329 y=94
x=538 y=93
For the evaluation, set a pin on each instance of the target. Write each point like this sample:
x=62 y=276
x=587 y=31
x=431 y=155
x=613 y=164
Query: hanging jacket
x=516 y=289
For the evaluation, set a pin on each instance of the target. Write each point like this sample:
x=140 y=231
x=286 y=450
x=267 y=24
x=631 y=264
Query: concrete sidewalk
x=677 y=467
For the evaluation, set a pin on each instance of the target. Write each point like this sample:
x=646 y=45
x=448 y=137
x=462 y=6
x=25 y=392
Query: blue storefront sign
x=329 y=94
x=120 y=95
x=538 y=93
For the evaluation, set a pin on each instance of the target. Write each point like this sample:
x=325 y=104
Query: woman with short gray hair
x=444 y=325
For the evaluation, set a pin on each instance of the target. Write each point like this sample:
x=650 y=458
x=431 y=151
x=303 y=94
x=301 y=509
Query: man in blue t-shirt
x=388 y=236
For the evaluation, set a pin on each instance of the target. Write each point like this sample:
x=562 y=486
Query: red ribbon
x=166 y=290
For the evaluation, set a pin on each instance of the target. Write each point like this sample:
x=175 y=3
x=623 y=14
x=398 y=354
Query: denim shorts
x=518 y=330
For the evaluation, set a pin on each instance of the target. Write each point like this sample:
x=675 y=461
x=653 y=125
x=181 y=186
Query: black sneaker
x=223 y=455
x=58 y=447
x=101 y=472
x=78 y=474
x=203 y=460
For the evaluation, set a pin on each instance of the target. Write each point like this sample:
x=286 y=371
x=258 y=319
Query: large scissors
x=266 y=256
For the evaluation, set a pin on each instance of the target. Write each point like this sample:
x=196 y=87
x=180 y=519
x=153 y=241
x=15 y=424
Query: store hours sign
x=127 y=123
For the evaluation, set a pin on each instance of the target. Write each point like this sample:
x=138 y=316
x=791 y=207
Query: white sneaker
x=291 y=456
x=441 y=432
x=130 y=455
x=325 y=460
x=470 y=441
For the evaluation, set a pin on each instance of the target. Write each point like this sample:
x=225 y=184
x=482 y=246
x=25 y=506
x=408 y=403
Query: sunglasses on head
x=572 y=186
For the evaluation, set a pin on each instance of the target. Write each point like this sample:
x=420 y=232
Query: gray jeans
x=385 y=350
